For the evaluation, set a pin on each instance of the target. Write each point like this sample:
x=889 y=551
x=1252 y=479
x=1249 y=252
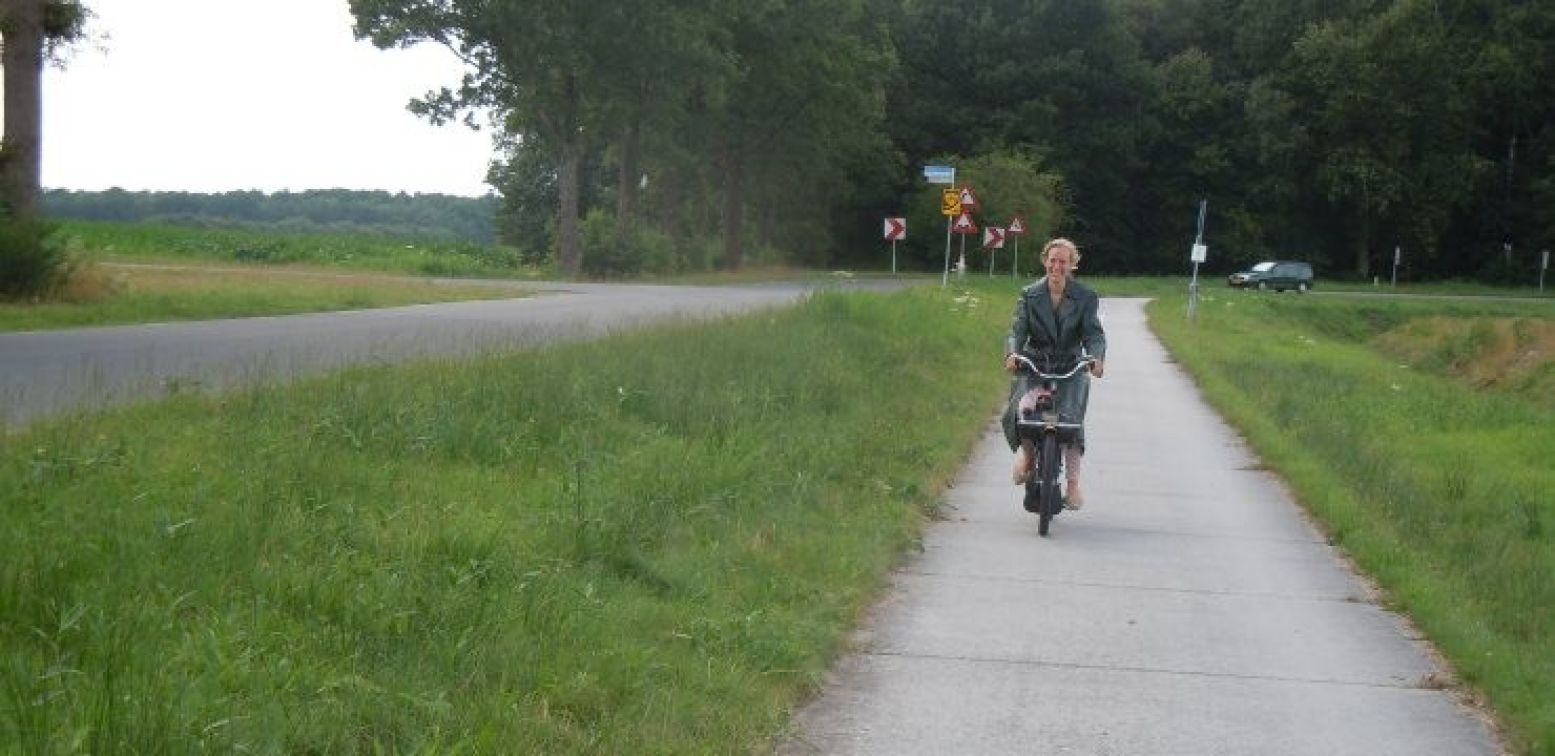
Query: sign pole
x=1198 y=256
x=893 y=257
x=945 y=279
x=1396 y=252
x=1015 y=263
x=1543 y=266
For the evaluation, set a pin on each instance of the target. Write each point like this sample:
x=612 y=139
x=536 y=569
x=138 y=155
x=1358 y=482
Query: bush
x=33 y=261
x=608 y=253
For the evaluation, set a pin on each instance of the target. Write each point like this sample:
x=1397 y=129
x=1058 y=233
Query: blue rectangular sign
x=939 y=174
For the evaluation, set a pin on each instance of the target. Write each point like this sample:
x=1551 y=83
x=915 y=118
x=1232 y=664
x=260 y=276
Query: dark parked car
x=1275 y=274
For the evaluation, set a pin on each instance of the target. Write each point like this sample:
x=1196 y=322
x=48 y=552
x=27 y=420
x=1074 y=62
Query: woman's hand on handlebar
x=1095 y=368
x=1010 y=363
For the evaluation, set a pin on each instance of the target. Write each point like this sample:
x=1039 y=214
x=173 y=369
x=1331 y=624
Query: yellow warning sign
x=949 y=202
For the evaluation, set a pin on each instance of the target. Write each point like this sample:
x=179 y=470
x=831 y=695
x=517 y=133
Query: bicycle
x=1048 y=432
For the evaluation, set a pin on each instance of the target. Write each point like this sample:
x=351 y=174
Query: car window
x=1262 y=267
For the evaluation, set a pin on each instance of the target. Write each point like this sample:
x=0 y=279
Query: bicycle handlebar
x=1032 y=366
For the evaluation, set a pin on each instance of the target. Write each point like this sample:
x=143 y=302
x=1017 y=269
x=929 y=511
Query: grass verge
x=153 y=294
x=1441 y=492
x=650 y=544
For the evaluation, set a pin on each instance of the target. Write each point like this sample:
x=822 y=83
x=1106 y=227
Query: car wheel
x=1302 y=287
x=1263 y=285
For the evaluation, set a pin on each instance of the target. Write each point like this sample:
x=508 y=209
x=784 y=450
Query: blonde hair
x=1074 y=250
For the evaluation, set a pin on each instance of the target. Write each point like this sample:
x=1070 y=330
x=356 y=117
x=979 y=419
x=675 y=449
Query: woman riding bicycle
x=1055 y=322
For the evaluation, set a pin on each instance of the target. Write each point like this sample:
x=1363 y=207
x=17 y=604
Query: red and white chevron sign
x=993 y=237
x=895 y=229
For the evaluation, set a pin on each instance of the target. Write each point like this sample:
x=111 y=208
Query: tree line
x=1325 y=130
x=427 y=216
x=693 y=133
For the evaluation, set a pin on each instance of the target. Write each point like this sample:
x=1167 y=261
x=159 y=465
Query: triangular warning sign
x=968 y=199
x=963 y=224
x=1017 y=227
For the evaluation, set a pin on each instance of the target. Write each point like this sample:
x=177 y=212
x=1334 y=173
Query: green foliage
x=612 y=253
x=1439 y=491
x=33 y=259
x=652 y=544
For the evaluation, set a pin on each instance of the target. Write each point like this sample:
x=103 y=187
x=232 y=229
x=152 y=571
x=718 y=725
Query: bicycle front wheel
x=1048 y=499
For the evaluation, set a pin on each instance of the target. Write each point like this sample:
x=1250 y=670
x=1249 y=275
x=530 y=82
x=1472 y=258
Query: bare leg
x=1072 y=497
x=1024 y=461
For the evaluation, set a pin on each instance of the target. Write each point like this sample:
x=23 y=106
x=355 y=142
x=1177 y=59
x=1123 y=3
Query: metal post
x=893 y=257
x=961 y=263
x=1544 y=265
x=1015 y=264
x=1193 y=285
x=991 y=254
x=1396 y=253
x=945 y=279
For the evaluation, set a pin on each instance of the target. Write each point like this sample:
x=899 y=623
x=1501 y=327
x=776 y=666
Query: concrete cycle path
x=1190 y=608
x=48 y=372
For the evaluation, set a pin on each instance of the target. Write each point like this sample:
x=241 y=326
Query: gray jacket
x=1038 y=332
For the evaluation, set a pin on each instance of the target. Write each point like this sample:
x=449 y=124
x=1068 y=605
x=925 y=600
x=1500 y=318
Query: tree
x=30 y=30
x=564 y=78
x=1391 y=121
x=807 y=93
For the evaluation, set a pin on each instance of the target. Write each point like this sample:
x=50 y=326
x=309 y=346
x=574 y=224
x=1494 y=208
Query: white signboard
x=1199 y=253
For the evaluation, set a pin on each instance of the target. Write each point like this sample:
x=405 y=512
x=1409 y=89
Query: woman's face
x=1059 y=262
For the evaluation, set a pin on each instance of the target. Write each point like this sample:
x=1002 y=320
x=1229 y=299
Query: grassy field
x=1421 y=434
x=150 y=242
x=112 y=295
x=649 y=544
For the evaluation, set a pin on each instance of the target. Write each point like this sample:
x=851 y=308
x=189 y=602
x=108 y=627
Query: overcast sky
x=221 y=95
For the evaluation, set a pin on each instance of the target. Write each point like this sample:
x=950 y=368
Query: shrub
x=608 y=253
x=33 y=261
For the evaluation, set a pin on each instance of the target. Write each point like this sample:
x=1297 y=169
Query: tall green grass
x=1445 y=494
x=648 y=544
x=152 y=241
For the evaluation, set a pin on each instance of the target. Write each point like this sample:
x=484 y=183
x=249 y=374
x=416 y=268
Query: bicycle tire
x=1047 y=486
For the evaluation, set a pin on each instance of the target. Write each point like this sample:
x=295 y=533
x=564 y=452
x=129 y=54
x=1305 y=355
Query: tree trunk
x=1363 y=246
x=21 y=24
x=670 y=182
x=569 y=244
x=628 y=183
x=733 y=215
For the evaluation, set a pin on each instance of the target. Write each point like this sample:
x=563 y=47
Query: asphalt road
x=49 y=372
x=1191 y=608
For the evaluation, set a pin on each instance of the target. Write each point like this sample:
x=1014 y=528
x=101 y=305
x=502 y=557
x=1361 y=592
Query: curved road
x=1189 y=609
x=47 y=372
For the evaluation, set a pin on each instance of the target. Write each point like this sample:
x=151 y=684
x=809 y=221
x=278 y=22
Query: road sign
x=1017 y=227
x=968 y=199
x=949 y=203
x=895 y=228
x=1199 y=253
x=939 y=174
x=963 y=224
x=993 y=238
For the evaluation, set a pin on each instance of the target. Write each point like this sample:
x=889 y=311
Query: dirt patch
x=1513 y=354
